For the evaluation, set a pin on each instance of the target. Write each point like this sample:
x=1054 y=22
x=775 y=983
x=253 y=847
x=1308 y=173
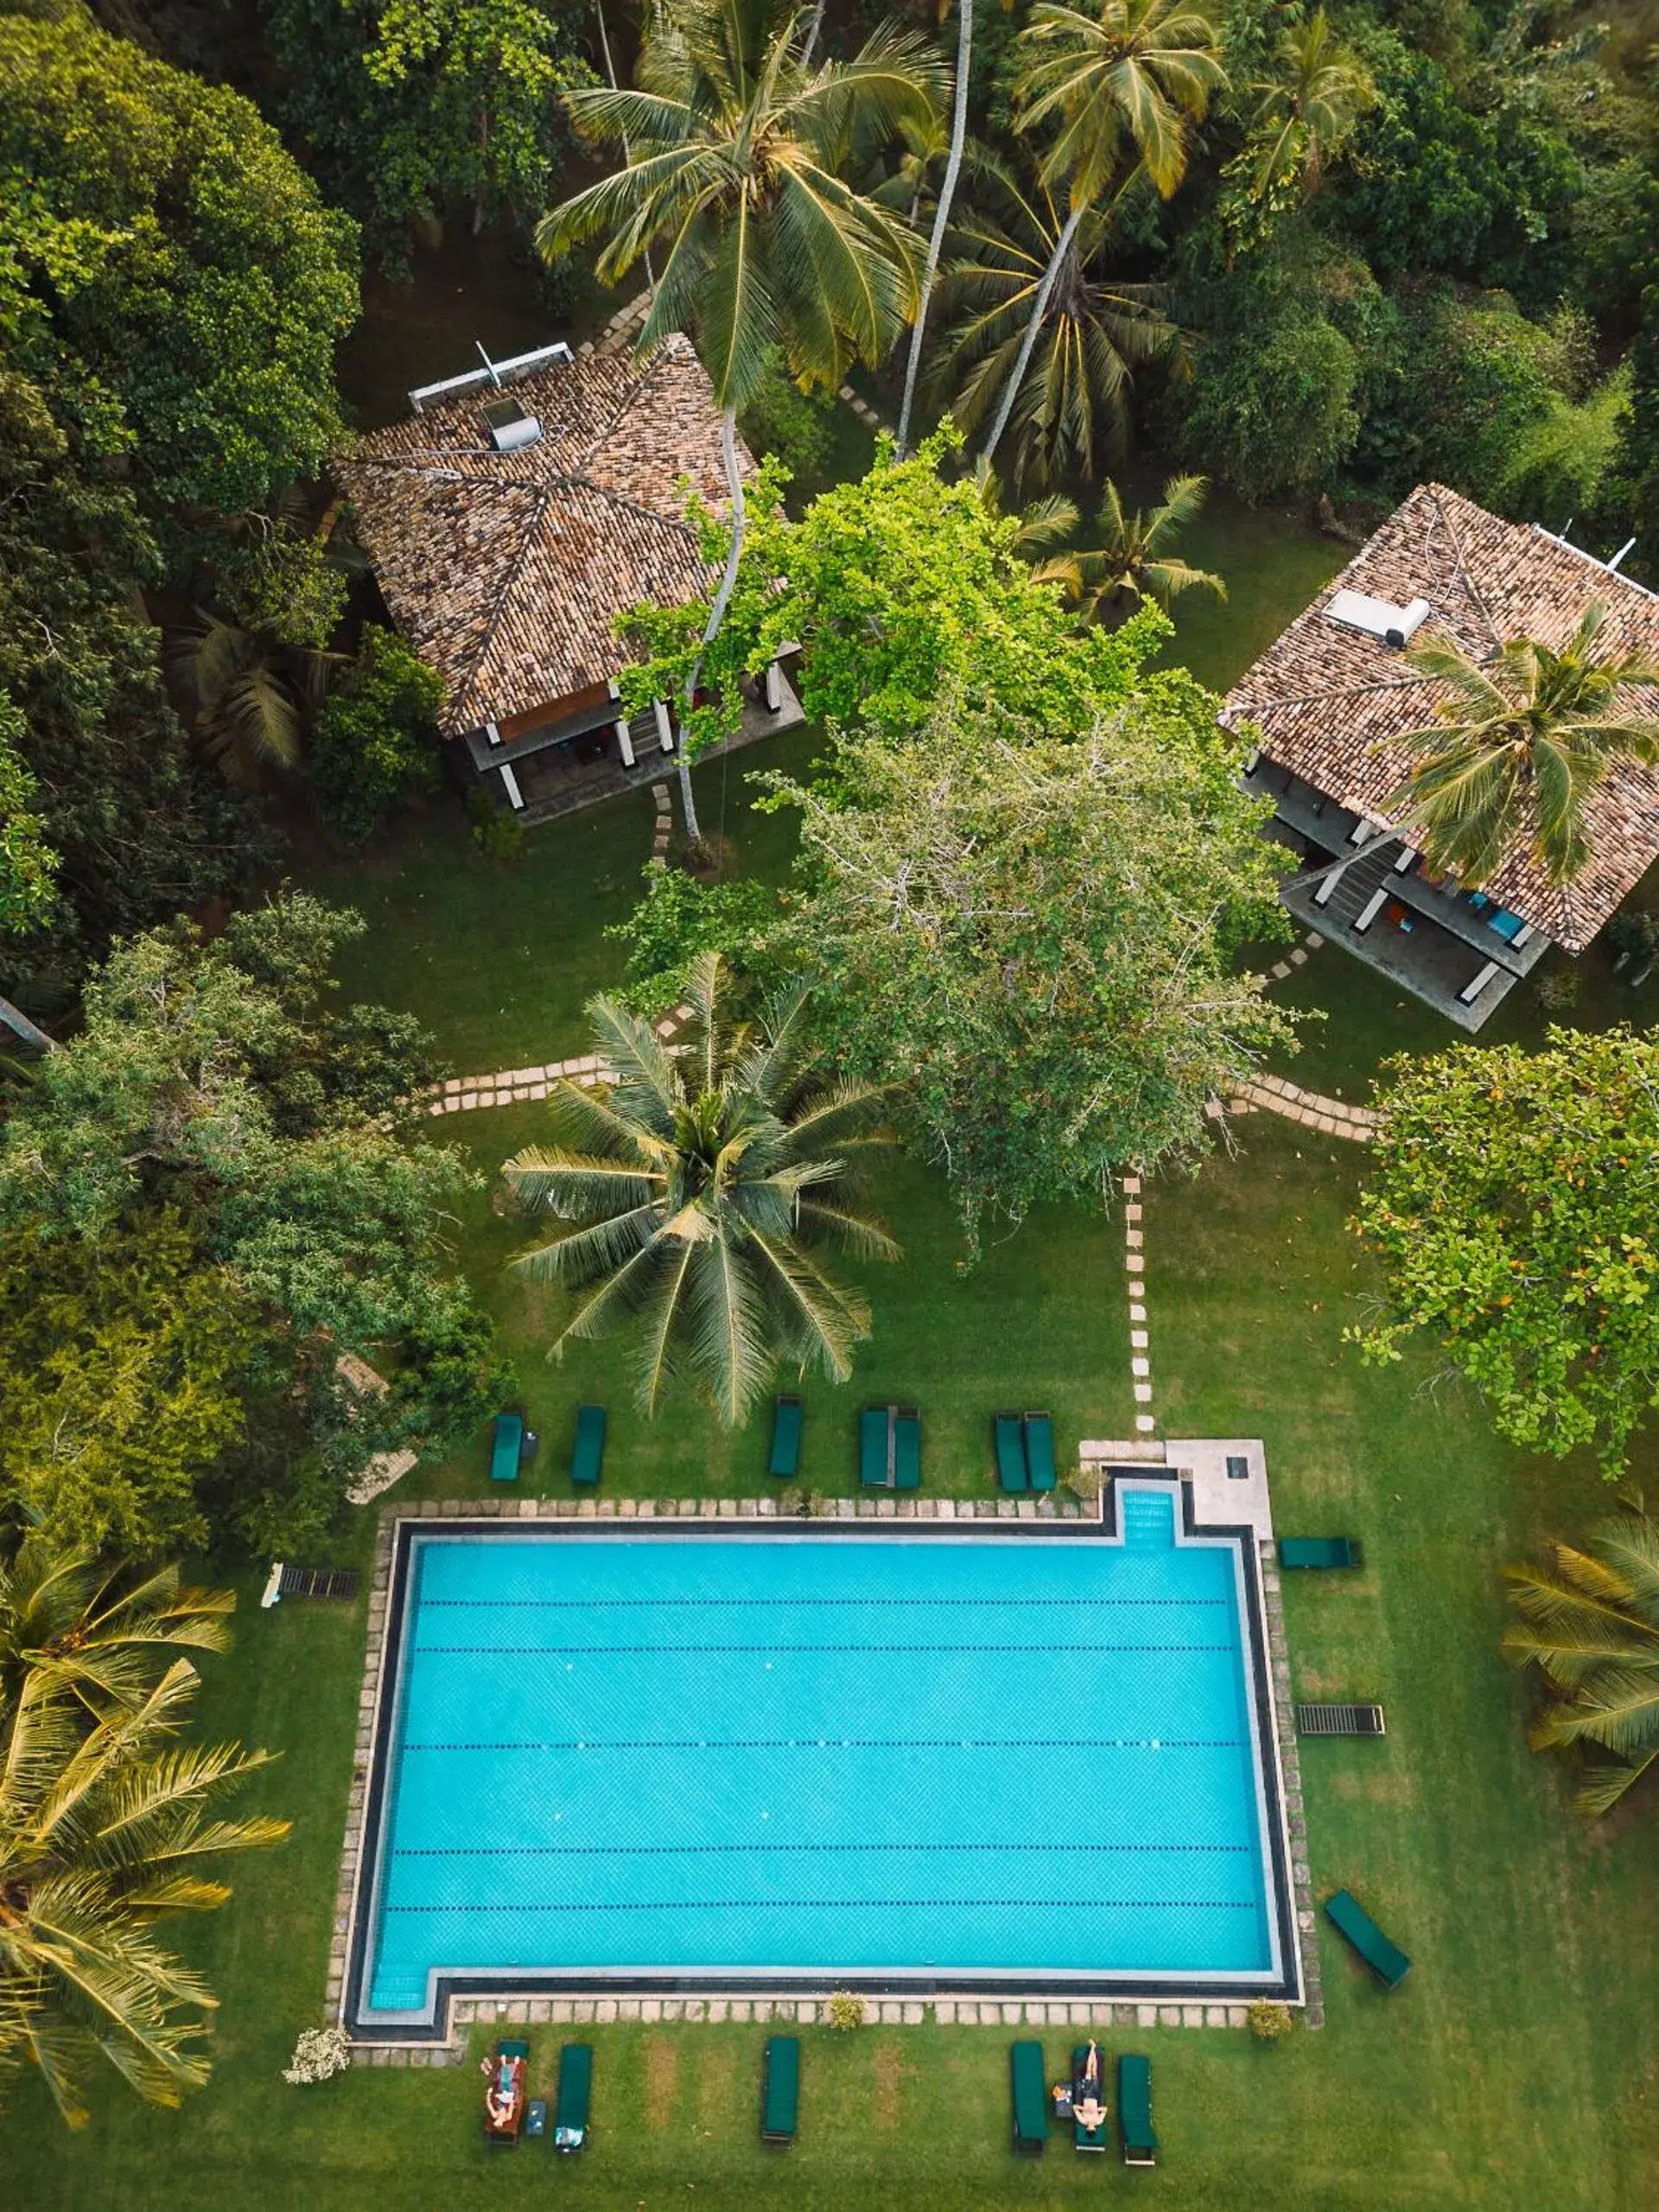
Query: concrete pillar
x=774 y=680
x=624 y=741
x=510 y=784
x=1472 y=990
x=1368 y=913
x=664 y=728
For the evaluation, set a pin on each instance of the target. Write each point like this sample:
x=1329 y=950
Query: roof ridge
x=1342 y=691
x=632 y=393
x=1461 y=559
x=509 y=575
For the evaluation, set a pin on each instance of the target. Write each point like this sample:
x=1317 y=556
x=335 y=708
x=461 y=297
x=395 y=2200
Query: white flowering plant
x=319 y=2054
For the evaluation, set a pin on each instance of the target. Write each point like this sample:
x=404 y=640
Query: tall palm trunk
x=717 y=612
x=942 y=215
x=15 y=1018
x=812 y=36
x=1029 y=343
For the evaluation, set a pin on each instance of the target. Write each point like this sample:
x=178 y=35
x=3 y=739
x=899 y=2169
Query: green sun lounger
x=1030 y=2098
x=780 y=2089
x=874 y=1425
x=1386 y=1960
x=1039 y=1451
x=1085 y=2139
x=1010 y=1451
x=906 y=1448
x=1134 y=2110
x=1321 y=1551
x=588 y=1457
x=507 y=1447
x=784 y=1460
x=576 y=2092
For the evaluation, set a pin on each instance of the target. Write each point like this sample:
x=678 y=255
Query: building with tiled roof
x=510 y=520
x=1333 y=695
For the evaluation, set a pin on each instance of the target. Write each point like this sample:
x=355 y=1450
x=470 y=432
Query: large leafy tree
x=121 y=1368
x=1031 y=940
x=710 y=1179
x=107 y=1823
x=411 y=107
x=218 y=1087
x=1515 y=1209
x=903 y=587
x=1589 y=1622
x=177 y=278
x=734 y=142
x=1093 y=328
x=1126 y=81
x=1519 y=742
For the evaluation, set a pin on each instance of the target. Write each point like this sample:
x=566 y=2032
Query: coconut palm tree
x=941 y=216
x=104 y=1824
x=733 y=141
x=1518 y=743
x=1306 y=111
x=709 y=1181
x=1094 y=330
x=1134 y=76
x=250 y=694
x=1590 y=1624
x=1133 y=560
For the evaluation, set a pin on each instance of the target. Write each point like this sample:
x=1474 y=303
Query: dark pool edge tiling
x=349 y=1974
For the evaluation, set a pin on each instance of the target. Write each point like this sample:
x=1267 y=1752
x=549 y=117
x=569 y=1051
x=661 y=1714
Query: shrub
x=677 y=921
x=1558 y=989
x=845 y=2010
x=782 y=419
x=375 y=740
x=497 y=833
x=1268 y=2023
x=319 y=2054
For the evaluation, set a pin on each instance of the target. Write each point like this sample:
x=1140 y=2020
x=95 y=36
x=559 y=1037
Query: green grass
x=498 y=958
x=1514 y=2070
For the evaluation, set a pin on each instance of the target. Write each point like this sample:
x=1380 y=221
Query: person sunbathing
x=1087 y=2108
x=502 y=2095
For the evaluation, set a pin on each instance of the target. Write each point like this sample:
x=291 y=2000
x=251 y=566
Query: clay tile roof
x=507 y=571
x=1331 y=702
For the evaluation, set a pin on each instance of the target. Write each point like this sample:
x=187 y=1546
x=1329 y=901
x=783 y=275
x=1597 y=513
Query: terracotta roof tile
x=1332 y=703
x=507 y=571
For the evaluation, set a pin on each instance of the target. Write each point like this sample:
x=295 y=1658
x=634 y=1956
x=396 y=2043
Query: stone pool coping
x=1197 y=1462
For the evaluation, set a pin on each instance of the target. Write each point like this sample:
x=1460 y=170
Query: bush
x=496 y=831
x=782 y=419
x=1558 y=989
x=319 y=2054
x=680 y=918
x=845 y=2010
x=375 y=741
x=1268 y=2023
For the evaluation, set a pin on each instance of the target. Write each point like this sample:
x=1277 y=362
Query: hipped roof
x=506 y=572
x=1331 y=703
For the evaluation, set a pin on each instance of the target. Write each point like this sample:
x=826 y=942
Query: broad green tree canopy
x=1515 y=1208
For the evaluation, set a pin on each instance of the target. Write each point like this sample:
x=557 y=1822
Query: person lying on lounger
x=503 y=2092
x=1086 y=2106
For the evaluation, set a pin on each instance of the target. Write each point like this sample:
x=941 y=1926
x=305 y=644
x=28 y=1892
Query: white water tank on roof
x=1379 y=618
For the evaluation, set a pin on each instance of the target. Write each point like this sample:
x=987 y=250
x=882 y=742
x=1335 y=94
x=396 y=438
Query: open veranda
x=1515 y=2068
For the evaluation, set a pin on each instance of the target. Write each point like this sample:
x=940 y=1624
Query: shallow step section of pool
x=1147 y=1520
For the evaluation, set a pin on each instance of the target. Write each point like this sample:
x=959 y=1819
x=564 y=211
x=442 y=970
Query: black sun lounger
x=1321 y=1551
x=587 y=1458
x=1087 y=2139
x=780 y=2089
x=1010 y=1451
x=1134 y=2110
x=575 y=2093
x=1039 y=1451
x=1349 y=1918
x=1030 y=2098
x=785 y=1459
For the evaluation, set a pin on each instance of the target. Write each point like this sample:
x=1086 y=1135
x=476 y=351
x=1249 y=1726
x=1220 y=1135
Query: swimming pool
x=737 y=1756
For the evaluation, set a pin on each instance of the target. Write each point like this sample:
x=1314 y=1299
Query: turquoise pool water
x=682 y=1755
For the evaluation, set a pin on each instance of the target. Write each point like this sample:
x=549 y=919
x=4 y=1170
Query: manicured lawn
x=1515 y=2068
x=498 y=958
